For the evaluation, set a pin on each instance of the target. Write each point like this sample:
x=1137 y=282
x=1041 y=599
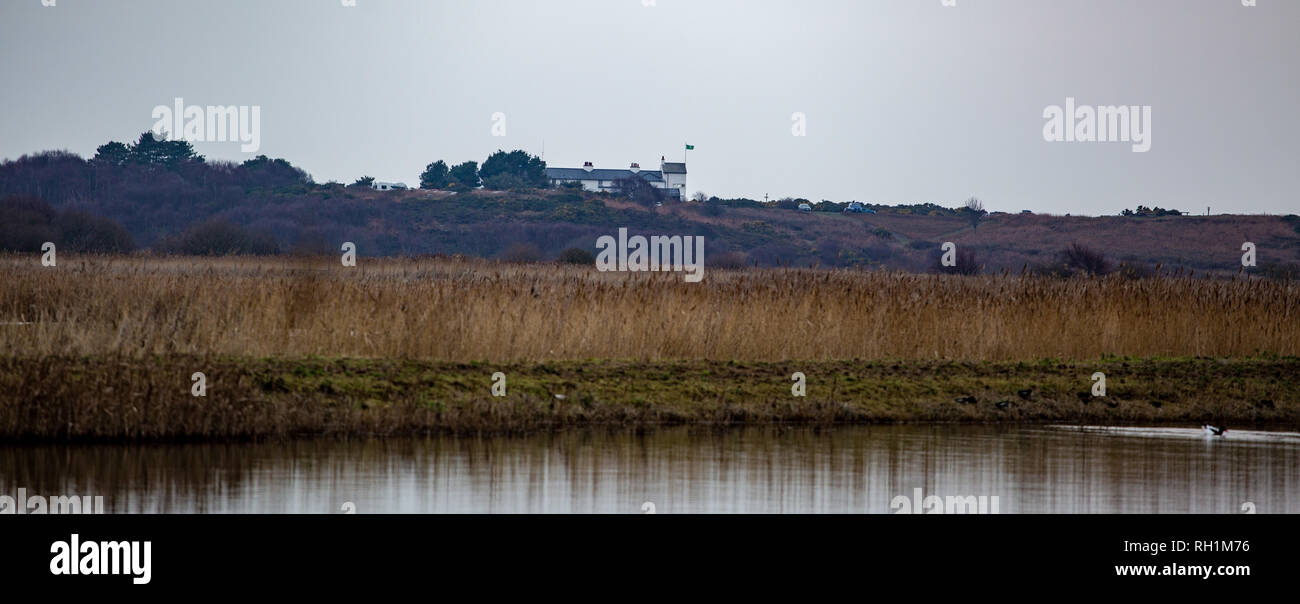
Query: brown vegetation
x=458 y=310
x=104 y=347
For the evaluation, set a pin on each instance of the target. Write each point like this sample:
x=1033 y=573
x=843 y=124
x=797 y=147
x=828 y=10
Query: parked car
x=803 y=207
x=858 y=208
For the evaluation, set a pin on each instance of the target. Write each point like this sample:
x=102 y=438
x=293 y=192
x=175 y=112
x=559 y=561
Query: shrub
x=739 y=203
x=30 y=221
x=82 y=232
x=758 y=227
x=575 y=255
x=266 y=172
x=220 y=237
x=1081 y=258
x=1143 y=211
x=504 y=182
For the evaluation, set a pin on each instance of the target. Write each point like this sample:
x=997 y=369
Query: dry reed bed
x=457 y=310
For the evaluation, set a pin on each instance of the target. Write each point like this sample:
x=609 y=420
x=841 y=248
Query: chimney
x=588 y=167
x=636 y=168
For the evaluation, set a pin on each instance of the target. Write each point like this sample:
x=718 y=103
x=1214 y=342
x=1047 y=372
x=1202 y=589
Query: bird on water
x=1213 y=431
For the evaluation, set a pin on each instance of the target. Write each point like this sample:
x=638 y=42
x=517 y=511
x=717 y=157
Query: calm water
x=762 y=470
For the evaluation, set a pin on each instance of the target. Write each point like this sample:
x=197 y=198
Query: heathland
x=161 y=197
x=106 y=347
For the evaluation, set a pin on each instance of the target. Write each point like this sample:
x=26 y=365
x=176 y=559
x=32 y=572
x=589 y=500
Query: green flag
x=690 y=147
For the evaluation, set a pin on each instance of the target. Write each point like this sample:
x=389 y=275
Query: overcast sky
x=905 y=100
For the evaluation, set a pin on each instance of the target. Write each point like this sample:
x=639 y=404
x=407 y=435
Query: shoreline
x=116 y=399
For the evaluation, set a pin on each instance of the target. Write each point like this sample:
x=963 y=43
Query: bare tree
x=1082 y=258
x=975 y=212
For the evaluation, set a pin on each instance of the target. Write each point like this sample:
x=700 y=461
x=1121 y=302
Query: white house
x=669 y=178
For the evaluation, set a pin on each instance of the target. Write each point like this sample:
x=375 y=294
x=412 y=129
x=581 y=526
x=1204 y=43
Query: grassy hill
x=768 y=236
x=267 y=206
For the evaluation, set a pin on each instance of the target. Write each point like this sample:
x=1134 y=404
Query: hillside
x=267 y=206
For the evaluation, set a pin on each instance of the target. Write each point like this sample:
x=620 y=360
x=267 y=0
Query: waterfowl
x=1212 y=431
x=1004 y=405
x=968 y=400
x=1026 y=394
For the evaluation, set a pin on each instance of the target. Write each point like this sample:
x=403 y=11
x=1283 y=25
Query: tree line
x=501 y=171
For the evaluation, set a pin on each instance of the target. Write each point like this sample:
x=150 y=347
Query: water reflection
x=761 y=470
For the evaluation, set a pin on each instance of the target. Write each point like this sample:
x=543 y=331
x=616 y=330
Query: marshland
x=105 y=347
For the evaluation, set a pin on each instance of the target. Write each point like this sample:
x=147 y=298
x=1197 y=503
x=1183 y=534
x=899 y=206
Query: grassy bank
x=84 y=398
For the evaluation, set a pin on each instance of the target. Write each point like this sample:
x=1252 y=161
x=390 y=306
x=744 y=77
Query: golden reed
x=460 y=310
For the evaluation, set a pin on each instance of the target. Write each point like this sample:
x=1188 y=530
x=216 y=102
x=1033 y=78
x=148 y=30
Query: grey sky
x=906 y=100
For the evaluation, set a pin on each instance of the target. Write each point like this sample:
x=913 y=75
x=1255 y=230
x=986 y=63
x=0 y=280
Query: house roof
x=581 y=174
x=671 y=168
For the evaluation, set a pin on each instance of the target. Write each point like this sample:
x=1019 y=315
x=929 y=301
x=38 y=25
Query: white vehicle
x=803 y=207
x=388 y=186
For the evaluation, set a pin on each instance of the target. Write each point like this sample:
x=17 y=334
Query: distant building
x=388 y=186
x=669 y=178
